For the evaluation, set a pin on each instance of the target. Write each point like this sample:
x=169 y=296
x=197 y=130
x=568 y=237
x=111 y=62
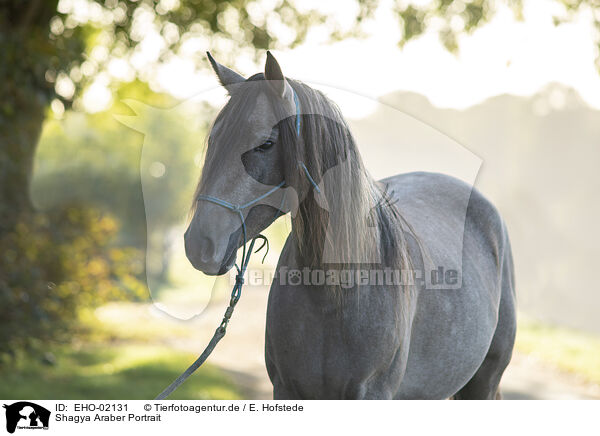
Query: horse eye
x=265 y=146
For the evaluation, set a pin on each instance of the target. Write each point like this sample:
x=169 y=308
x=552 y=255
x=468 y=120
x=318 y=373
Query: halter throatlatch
x=236 y=293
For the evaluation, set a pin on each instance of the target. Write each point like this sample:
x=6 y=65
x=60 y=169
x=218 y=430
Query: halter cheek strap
x=297 y=113
x=301 y=164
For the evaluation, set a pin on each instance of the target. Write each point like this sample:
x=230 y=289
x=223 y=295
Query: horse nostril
x=207 y=249
x=199 y=250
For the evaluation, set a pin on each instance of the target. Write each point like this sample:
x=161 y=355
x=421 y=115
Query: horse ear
x=226 y=76
x=274 y=75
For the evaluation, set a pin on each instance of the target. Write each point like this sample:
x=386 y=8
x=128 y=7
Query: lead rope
x=222 y=329
x=236 y=293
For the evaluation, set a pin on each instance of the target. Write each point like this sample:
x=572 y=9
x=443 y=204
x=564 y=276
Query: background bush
x=51 y=265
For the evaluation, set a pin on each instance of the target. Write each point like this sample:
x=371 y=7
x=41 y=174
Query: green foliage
x=59 y=38
x=52 y=265
x=456 y=17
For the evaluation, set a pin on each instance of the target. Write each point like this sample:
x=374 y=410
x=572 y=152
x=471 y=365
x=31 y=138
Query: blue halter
x=297 y=103
x=239 y=278
x=310 y=179
x=240 y=208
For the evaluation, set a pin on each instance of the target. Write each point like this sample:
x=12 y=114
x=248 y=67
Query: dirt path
x=240 y=354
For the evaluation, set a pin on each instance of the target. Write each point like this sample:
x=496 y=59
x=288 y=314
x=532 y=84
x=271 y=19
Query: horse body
x=312 y=352
x=373 y=340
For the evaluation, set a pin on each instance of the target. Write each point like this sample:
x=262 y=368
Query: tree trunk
x=19 y=135
x=25 y=57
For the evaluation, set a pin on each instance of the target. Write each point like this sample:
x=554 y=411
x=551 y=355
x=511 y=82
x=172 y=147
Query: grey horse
x=354 y=311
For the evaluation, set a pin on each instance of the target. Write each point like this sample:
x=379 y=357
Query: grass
x=115 y=360
x=567 y=349
x=113 y=372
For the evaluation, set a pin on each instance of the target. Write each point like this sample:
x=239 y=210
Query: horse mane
x=360 y=202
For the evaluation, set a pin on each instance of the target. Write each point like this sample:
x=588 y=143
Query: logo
x=26 y=415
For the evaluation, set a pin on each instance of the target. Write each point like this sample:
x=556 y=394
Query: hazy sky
x=505 y=56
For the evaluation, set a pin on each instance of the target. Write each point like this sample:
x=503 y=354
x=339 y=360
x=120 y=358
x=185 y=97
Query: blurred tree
x=86 y=158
